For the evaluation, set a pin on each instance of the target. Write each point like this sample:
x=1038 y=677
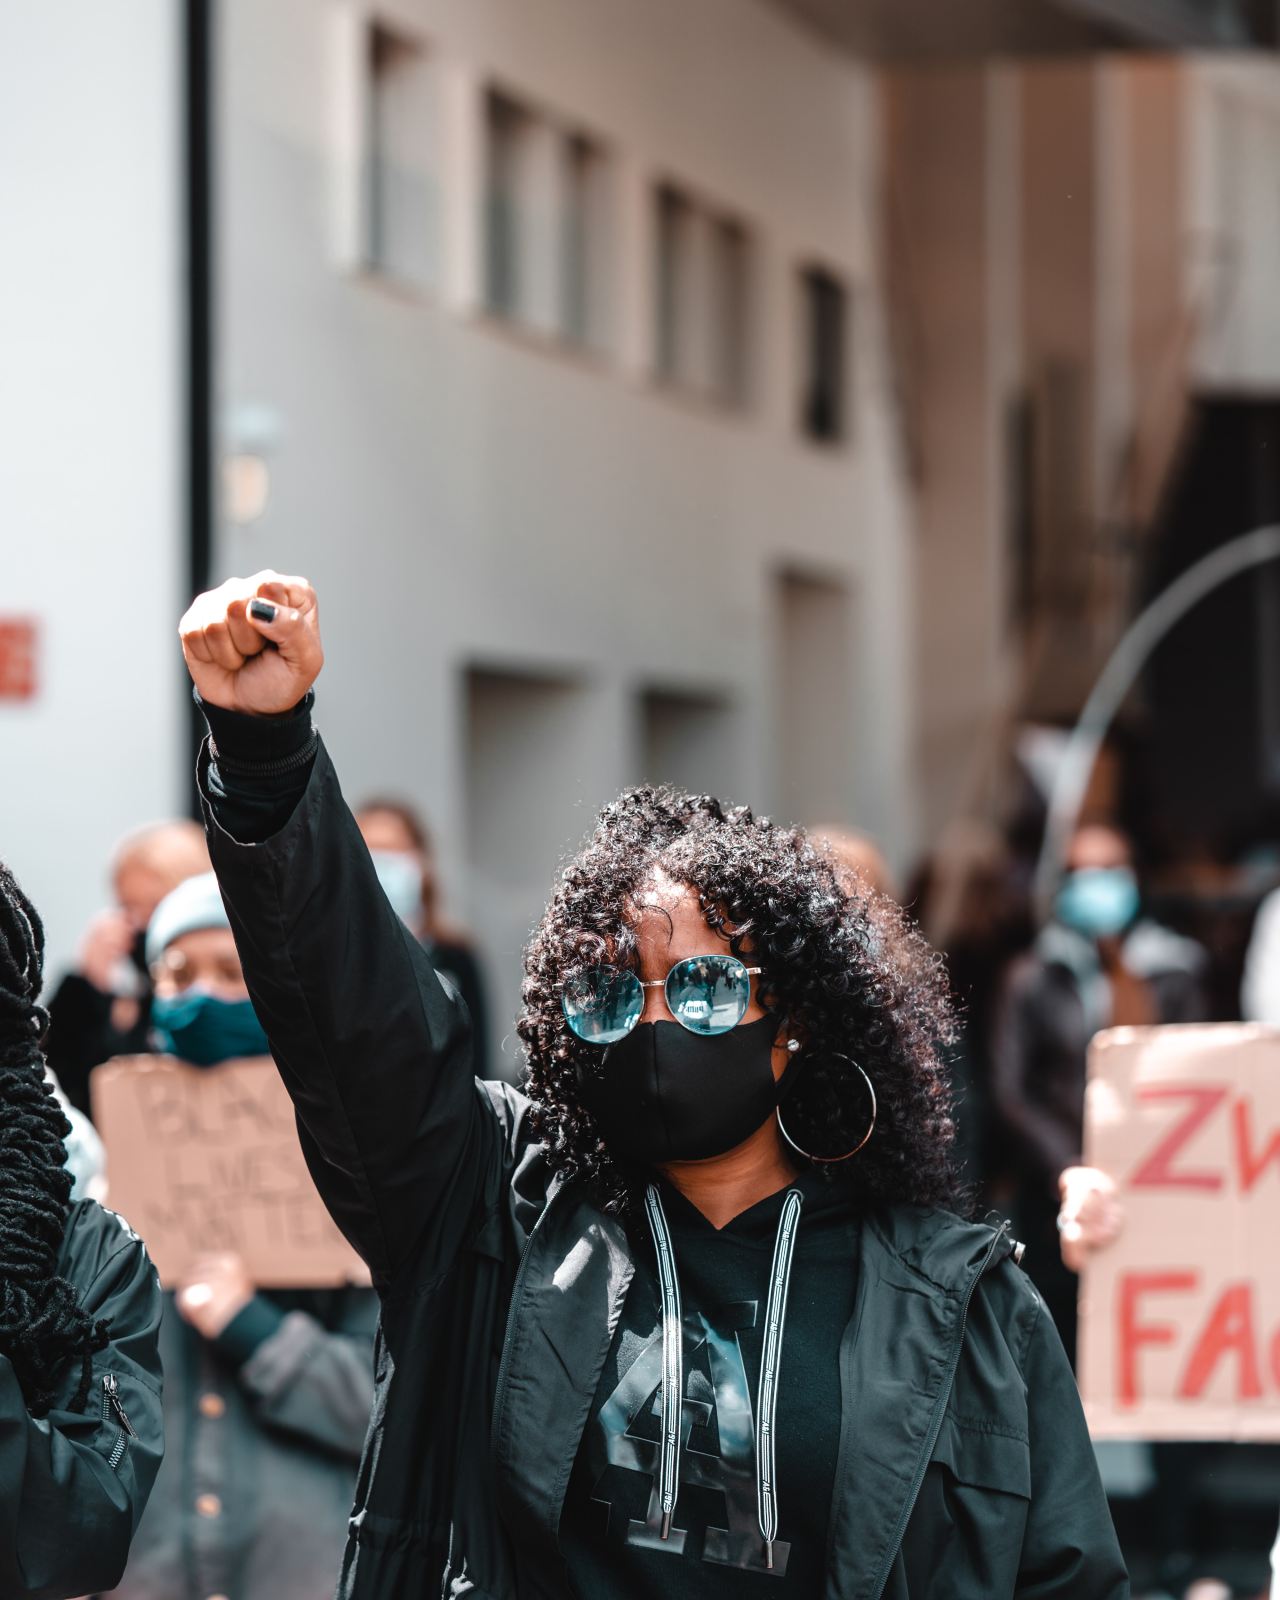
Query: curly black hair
x=44 y=1330
x=840 y=963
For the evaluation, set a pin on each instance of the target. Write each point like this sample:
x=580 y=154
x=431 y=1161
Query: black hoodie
x=610 y=1531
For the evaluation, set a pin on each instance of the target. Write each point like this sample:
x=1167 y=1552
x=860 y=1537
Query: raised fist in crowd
x=253 y=644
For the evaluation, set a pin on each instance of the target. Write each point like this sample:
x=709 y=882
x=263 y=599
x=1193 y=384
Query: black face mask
x=665 y=1094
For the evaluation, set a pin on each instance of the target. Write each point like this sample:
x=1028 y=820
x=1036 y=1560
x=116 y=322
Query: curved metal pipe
x=1108 y=694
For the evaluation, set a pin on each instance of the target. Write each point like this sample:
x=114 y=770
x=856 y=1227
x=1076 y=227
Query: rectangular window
x=401 y=210
x=509 y=130
x=528 y=739
x=730 y=306
x=701 y=299
x=689 y=740
x=675 y=286
x=585 y=264
x=548 y=233
x=824 y=399
x=818 y=746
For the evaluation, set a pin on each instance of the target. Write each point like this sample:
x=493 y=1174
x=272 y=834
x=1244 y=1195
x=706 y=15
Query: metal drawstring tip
x=666 y=1525
x=768 y=1555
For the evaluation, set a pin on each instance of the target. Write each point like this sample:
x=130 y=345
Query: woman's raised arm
x=374 y=1050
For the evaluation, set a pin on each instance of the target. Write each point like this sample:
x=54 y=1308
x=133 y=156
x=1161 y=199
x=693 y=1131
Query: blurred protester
x=102 y=1008
x=268 y=1392
x=967 y=899
x=1096 y=964
x=405 y=861
x=861 y=855
x=80 y=1422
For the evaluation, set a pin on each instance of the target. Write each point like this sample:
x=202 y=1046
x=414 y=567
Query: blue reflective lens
x=709 y=994
x=603 y=1005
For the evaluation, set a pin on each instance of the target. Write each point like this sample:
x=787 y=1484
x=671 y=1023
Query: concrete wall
x=952 y=137
x=479 y=505
x=90 y=416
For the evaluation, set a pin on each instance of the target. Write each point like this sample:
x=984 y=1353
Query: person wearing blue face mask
x=1098 y=963
x=201 y=1012
x=404 y=860
x=268 y=1392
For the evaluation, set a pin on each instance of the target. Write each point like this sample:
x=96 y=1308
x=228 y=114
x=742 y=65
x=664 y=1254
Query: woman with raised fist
x=687 y=1314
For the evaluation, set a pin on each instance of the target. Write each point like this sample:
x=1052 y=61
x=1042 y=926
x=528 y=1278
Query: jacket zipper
x=504 y=1364
x=935 y=1422
x=113 y=1406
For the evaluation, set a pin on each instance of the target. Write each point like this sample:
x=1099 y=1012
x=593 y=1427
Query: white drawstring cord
x=770 y=1364
x=672 y=1359
x=672 y=1395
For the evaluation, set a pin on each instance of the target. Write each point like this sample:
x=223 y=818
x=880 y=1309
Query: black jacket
x=964 y=1465
x=73 y=1484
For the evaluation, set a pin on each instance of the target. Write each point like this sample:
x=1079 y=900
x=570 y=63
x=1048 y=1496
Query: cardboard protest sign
x=1180 y=1318
x=202 y=1159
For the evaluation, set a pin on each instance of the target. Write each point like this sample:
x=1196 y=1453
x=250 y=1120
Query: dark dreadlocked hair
x=840 y=963
x=43 y=1328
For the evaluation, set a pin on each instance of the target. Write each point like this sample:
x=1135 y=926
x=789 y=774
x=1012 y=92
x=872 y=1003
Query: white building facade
x=552 y=342
x=92 y=513
x=557 y=332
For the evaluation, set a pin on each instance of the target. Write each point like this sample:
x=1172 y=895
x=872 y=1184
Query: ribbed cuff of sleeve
x=261 y=746
x=248 y=1329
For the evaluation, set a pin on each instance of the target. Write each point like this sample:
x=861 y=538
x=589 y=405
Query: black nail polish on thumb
x=262 y=611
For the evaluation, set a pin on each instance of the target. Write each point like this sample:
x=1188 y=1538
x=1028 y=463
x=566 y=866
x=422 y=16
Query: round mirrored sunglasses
x=705 y=994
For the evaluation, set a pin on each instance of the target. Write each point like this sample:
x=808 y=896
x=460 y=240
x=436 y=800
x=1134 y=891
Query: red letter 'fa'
x=1134 y=1334
x=1229 y=1331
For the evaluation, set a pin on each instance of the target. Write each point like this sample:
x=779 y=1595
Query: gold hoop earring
x=831 y=1161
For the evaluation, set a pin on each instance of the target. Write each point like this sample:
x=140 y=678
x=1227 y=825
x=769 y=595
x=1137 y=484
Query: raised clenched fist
x=253 y=644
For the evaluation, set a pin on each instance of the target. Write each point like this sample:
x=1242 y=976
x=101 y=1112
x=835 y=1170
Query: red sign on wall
x=18 y=639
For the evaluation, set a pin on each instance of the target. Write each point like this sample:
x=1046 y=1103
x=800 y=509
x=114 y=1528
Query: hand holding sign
x=1090 y=1217
x=214 y=1290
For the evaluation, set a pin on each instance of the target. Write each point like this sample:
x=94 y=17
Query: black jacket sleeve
x=73 y=1484
x=374 y=1051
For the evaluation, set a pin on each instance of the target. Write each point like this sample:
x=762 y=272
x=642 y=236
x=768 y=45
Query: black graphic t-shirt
x=610 y=1529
